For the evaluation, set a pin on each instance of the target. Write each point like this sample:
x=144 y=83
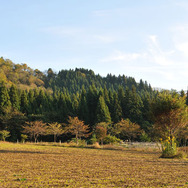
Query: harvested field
x=24 y=165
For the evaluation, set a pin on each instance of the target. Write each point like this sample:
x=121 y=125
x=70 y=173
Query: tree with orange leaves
x=35 y=129
x=77 y=127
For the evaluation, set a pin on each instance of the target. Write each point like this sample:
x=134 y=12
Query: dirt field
x=23 y=165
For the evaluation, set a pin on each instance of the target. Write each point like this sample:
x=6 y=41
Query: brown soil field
x=27 y=165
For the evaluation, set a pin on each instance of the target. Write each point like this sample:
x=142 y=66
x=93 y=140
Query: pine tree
x=75 y=105
x=83 y=111
x=102 y=112
x=117 y=111
x=31 y=105
x=13 y=93
x=24 y=102
x=92 y=97
x=135 y=106
x=4 y=98
x=106 y=97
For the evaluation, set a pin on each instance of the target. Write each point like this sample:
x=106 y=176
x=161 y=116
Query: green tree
x=117 y=111
x=92 y=97
x=83 y=111
x=4 y=134
x=135 y=106
x=75 y=105
x=4 y=98
x=126 y=129
x=24 y=102
x=102 y=112
x=12 y=121
x=14 y=98
x=170 y=114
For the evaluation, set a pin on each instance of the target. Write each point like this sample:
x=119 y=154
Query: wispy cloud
x=82 y=35
x=119 y=56
x=157 y=54
x=154 y=60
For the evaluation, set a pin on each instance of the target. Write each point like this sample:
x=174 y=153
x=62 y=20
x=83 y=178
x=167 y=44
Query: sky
x=144 y=39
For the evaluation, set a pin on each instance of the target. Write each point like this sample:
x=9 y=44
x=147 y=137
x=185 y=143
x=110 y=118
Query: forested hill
x=73 y=81
x=29 y=95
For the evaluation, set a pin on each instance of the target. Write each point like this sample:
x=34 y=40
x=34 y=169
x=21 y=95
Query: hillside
x=25 y=77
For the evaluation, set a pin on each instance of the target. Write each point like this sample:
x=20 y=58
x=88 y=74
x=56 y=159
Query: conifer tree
x=83 y=111
x=106 y=96
x=31 y=105
x=92 y=97
x=135 y=106
x=117 y=111
x=13 y=93
x=24 y=102
x=4 y=98
x=102 y=112
x=75 y=105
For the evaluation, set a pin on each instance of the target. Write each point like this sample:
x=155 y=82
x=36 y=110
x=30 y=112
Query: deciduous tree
x=170 y=113
x=77 y=127
x=35 y=129
x=55 y=129
x=127 y=129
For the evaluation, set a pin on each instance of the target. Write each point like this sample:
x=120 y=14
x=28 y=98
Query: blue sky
x=145 y=39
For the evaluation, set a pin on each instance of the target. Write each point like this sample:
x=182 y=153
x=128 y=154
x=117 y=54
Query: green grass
x=29 y=165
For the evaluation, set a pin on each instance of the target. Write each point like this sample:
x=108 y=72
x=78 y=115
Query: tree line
x=109 y=106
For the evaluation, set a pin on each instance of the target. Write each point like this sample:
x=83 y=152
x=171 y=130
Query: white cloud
x=119 y=56
x=82 y=35
x=180 y=39
x=153 y=38
x=153 y=60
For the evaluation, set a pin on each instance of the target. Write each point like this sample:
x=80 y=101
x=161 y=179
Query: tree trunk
x=54 y=138
x=77 y=139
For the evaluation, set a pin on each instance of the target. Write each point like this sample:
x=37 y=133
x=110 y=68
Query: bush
x=111 y=140
x=4 y=134
x=23 y=138
x=169 y=149
x=93 y=139
x=81 y=143
x=144 y=137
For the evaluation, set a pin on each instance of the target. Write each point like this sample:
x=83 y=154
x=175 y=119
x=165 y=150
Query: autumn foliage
x=77 y=127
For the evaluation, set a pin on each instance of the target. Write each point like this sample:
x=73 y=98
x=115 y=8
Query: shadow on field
x=17 y=151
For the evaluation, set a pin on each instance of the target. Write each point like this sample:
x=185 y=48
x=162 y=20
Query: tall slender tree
x=102 y=112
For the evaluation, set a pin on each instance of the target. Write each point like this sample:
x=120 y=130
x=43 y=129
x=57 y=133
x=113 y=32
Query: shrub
x=169 y=149
x=144 y=137
x=78 y=142
x=23 y=138
x=111 y=139
x=93 y=139
x=4 y=134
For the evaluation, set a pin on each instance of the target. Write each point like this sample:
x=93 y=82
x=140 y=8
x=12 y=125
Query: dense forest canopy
x=30 y=95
